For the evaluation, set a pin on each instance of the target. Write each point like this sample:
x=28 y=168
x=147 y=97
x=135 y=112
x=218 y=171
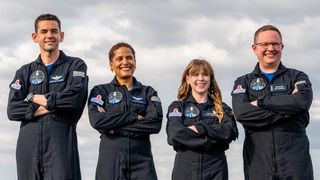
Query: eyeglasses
x=265 y=45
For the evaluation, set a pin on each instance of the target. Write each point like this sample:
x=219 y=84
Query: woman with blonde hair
x=200 y=126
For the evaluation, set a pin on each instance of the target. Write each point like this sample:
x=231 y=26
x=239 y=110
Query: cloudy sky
x=166 y=35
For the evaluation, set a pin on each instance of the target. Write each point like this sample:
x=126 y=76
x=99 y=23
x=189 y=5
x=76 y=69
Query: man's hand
x=40 y=99
x=41 y=111
x=295 y=90
x=193 y=128
x=254 y=103
x=100 y=109
x=140 y=118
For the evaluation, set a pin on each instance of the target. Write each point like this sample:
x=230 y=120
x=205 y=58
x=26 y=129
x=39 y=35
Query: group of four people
x=48 y=96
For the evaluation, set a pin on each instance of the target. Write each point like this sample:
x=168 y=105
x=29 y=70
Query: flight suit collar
x=190 y=99
x=136 y=84
x=280 y=70
x=61 y=59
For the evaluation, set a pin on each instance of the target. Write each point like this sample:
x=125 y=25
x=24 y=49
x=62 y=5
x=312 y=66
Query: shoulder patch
x=155 y=99
x=78 y=74
x=300 y=82
x=16 y=85
x=175 y=113
x=239 y=90
x=97 y=100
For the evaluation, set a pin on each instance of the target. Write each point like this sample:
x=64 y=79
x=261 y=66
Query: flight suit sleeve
x=108 y=120
x=179 y=135
x=151 y=124
x=248 y=115
x=74 y=95
x=18 y=109
x=290 y=104
x=226 y=131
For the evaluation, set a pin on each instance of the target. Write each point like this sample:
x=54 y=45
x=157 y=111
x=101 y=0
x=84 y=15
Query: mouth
x=49 y=42
x=127 y=68
x=270 y=54
x=201 y=84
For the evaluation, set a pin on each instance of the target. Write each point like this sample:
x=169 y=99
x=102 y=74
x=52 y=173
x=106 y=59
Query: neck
x=269 y=68
x=128 y=82
x=200 y=98
x=49 y=57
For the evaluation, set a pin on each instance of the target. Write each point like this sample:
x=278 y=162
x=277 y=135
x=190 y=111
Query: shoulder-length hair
x=213 y=92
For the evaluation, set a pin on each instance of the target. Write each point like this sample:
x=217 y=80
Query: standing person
x=125 y=113
x=48 y=96
x=272 y=104
x=200 y=126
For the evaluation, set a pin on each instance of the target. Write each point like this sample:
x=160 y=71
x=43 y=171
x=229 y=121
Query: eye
x=119 y=58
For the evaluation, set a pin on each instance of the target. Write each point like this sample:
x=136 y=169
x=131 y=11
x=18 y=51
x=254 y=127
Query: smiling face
x=268 y=49
x=48 y=36
x=123 y=63
x=199 y=82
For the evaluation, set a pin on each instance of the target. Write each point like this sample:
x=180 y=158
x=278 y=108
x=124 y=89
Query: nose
x=200 y=77
x=271 y=47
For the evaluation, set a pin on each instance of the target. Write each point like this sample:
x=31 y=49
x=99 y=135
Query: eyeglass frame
x=265 y=45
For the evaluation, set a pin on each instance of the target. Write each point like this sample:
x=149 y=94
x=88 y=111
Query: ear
x=61 y=36
x=111 y=66
x=34 y=37
x=187 y=79
x=254 y=48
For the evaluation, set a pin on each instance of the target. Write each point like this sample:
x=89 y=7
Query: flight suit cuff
x=201 y=130
x=30 y=111
x=260 y=102
x=51 y=100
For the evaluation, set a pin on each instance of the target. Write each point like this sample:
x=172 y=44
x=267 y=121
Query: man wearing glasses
x=272 y=104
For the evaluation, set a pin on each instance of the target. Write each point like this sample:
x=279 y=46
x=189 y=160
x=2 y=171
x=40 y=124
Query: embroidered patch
x=279 y=87
x=36 y=77
x=115 y=97
x=16 y=85
x=258 y=84
x=78 y=74
x=300 y=82
x=155 y=99
x=175 y=113
x=239 y=89
x=55 y=78
x=191 y=111
x=97 y=100
x=137 y=100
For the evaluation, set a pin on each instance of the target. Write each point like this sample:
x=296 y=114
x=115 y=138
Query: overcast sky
x=166 y=35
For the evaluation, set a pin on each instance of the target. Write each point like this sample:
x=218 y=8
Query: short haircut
x=46 y=17
x=265 y=28
x=119 y=45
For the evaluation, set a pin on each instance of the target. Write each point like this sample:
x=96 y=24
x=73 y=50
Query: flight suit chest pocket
x=138 y=105
x=279 y=89
x=57 y=81
x=188 y=121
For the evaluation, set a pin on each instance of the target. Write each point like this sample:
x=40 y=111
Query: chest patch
x=191 y=111
x=279 y=88
x=137 y=100
x=115 y=97
x=36 y=77
x=258 y=84
x=55 y=78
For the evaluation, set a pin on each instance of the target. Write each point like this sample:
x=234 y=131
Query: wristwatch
x=29 y=97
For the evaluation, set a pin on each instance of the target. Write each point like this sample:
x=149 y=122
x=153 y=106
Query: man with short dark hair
x=272 y=103
x=48 y=96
